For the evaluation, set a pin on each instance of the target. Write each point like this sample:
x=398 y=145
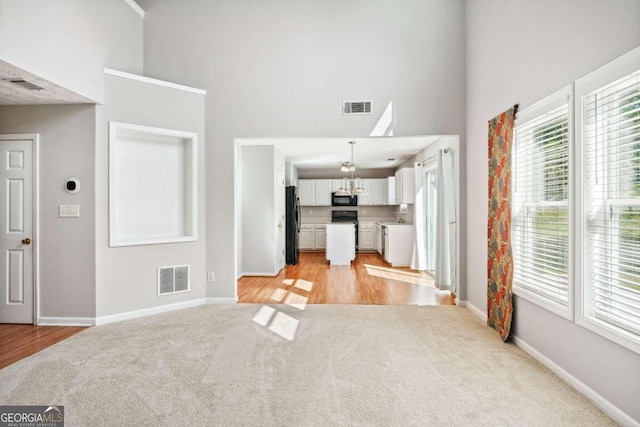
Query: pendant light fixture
x=350 y=186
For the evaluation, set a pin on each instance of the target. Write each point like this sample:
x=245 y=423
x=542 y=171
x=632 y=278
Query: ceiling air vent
x=173 y=279
x=356 y=107
x=25 y=84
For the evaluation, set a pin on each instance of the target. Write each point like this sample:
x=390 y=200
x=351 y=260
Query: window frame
x=552 y=102
x=584 y=315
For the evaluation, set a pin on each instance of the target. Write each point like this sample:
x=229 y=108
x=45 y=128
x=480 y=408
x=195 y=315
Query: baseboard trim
x=221 y=301
x=258 y=274
x=607 y=407
x=104 y=320
x=475 y=310
x=66 y=321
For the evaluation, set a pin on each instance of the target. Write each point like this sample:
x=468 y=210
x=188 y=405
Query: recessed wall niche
x=152 y=185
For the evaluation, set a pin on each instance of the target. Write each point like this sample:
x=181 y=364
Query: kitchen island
x=341 y=243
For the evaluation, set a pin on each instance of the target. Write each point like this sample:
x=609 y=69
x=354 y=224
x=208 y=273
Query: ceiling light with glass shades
x=350 y=186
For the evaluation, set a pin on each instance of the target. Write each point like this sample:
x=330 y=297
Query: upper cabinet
x=375 y=188
x=323 y=192
x=307 y=192
x=405 y=186
x=389 y=189
x=317 y=192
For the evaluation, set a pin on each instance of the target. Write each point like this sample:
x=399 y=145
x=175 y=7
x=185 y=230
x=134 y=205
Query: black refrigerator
x=292 y=218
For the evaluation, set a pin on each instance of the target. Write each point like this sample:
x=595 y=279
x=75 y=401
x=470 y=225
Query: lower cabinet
x=312 y=237
x=366 y=241
x=378 y=235
x=320 y=236
x=398 y=244
x=306 y=238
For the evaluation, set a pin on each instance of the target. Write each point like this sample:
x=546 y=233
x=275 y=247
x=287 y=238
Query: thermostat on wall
x=72 y=185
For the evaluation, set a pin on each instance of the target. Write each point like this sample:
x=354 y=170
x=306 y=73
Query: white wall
x=259 y=210
x=291 y=174
x=519 y=52
x=67 y=245
x=68 y=42
x=126 y=277
x=282 y=69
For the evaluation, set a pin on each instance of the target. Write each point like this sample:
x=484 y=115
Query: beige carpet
x=336 y=365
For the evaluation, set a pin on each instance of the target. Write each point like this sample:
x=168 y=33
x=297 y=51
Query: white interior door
x=16 y=226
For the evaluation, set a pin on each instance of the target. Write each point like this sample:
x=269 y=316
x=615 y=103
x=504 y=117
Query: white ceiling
x=327 y=153
x=51 y=93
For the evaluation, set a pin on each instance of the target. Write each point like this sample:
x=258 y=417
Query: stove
x=346 y=216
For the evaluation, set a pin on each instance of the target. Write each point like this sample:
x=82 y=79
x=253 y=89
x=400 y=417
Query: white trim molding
x=136 y=7
x=603 y=404
x=157 y=82
x=112 y=318
x=475 y=310
x=66 y=321
x=258 y=274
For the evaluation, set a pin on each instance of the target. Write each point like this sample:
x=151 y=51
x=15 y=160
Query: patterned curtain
x=499 y=262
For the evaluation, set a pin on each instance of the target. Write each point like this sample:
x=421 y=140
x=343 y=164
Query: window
x=576 y=217
x=540 y=203
x=610 y=128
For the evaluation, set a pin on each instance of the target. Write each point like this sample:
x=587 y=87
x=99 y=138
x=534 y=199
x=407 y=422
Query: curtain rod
x=515 y=110
x=428 y=160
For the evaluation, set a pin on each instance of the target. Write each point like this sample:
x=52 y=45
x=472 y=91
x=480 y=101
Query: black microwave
x=338 y=200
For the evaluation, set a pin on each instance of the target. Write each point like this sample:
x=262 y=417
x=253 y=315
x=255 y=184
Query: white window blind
x=611 y=127
x=540 y=207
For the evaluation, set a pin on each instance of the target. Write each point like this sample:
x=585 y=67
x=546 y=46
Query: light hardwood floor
x=369 y=280
x=20 y=341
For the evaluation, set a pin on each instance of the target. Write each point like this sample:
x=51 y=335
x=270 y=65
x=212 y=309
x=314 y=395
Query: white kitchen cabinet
x=307 y=192
x=377 y=237
x=398 y=244
x=315 y=192
x=320 y=236
x=366 y=236
x=313 y=236
x=405 y=186
x=341 y=243
x=390 y=191
x=306 y=237
x=336 y=184
x=365 y=199
x=376 y=191
x=323 y=192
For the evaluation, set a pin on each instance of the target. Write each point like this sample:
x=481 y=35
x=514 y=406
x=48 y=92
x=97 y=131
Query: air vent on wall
x=356 y=107
x=173 y=279
x=25 y=84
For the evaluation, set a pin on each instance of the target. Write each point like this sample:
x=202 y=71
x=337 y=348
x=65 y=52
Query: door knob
x=26 y=241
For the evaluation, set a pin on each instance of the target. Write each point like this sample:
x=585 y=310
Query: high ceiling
x=49 y=93
x=326 y=153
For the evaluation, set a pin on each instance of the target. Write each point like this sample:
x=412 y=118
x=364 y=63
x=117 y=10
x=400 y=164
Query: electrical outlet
x=69 y=211
x=364 y=212
x=211 y=276
x=310 y=212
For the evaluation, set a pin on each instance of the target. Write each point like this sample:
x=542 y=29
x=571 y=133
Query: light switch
x=69 y=211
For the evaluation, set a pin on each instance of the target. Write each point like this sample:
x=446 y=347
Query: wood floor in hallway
x=369 y=280
x=20 y=341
